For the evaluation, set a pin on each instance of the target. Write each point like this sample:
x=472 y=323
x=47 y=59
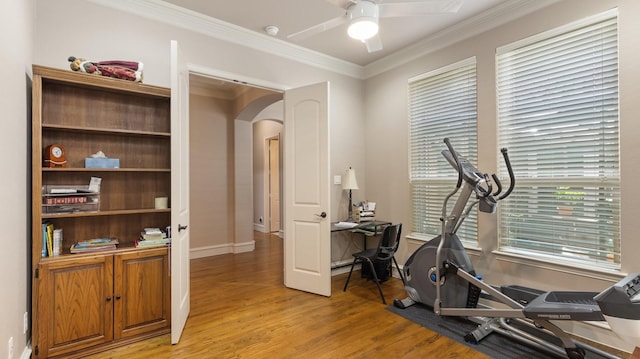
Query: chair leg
x=404 y=282
x=349 y=277
x=375 y=278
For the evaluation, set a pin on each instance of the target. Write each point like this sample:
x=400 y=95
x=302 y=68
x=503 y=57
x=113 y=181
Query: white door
x=307 y=242
x=180 y=296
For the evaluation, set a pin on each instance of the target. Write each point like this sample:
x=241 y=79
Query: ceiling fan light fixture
x=363 y=29
x=364 y=20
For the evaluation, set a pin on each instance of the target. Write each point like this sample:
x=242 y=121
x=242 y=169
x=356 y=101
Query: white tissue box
x=102 y=162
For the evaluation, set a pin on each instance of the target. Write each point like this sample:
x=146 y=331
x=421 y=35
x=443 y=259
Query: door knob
x=181 y=227
x=323 y=215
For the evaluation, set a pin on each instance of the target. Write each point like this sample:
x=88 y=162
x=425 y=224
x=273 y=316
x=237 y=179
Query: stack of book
x=152 y=237
x=93 y=245
x=51 y=240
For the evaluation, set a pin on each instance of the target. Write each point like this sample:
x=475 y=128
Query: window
x=442 y=103
x=558 y=116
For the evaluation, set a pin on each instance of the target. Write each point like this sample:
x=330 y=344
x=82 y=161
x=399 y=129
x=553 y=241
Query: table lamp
x=349 y=183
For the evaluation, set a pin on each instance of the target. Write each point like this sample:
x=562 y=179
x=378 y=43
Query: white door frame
x=218 y=74
x=243 y=161
x=268 y=198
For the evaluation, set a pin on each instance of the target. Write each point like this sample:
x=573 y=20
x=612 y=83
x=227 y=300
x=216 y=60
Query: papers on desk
x=346 y=224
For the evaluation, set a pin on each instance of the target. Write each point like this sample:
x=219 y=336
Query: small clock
x=55 y=156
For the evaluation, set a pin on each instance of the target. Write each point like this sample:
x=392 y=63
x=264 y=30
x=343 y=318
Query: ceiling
x=292 y=16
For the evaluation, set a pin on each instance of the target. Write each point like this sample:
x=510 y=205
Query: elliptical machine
x=440 y=274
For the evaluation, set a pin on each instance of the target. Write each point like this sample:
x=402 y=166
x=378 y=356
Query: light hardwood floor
x=241 y=309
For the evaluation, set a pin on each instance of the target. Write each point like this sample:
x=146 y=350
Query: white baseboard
x=343 y=267
x=249 y=246
x=26 y=353
x=597 y=332
x=259 y=227
x=209 y=251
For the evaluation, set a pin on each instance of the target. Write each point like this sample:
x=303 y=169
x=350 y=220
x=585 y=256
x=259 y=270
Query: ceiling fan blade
x=374 y=44
x=316 y=29
x=419 y=8
x=340 y=3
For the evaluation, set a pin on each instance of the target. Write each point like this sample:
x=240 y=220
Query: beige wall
x=211 y=173
x=387 y=145
x=16 y=35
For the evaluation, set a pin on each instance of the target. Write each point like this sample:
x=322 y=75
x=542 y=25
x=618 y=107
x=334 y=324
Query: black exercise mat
x=494 y=345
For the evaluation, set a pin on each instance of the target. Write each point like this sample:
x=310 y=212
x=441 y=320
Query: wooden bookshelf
x=85 y=302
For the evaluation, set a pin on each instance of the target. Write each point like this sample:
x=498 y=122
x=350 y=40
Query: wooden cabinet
x=73 y=311
x=86 y=302
x=141 y=293
x=90 y=301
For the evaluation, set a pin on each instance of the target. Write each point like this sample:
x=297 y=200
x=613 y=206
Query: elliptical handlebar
x=468 y=173
x=512 y=178
x=454 y=154
x=497 y=182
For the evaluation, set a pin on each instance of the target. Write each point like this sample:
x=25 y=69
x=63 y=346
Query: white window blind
x=558 y=116
x=442 y=104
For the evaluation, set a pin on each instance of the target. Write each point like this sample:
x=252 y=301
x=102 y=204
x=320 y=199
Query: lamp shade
x=349 y=180
x=364 y=20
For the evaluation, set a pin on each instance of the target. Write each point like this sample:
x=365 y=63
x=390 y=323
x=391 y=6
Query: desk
x=370 y=228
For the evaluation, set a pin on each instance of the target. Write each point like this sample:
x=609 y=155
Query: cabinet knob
x=108 y=298
x=117 y=297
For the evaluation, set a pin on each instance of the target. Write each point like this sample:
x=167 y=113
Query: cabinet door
x=75 y=305
x=141 y=289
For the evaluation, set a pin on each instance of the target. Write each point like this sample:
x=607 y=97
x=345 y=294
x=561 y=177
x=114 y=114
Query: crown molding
x=162 y=11
x=494 y=17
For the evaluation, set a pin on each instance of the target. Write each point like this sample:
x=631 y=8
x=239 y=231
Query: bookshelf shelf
x=122 y=249
x=108 y=131
x=121 y=212
x=64 y=169
x=128 y=121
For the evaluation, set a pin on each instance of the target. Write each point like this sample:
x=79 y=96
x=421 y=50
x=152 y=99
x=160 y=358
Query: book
x=75 y=248
x=95 y=244
x=63 y=190
x=57 y=241
x=152 y=242
x=152 y=236
x=152 y=233
x=50 y=239
x=44 y=251
x=65 y=200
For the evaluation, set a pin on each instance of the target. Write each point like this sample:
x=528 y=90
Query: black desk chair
x=380 y=257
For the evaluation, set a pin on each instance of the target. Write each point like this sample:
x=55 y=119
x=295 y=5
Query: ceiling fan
x=363 y=15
